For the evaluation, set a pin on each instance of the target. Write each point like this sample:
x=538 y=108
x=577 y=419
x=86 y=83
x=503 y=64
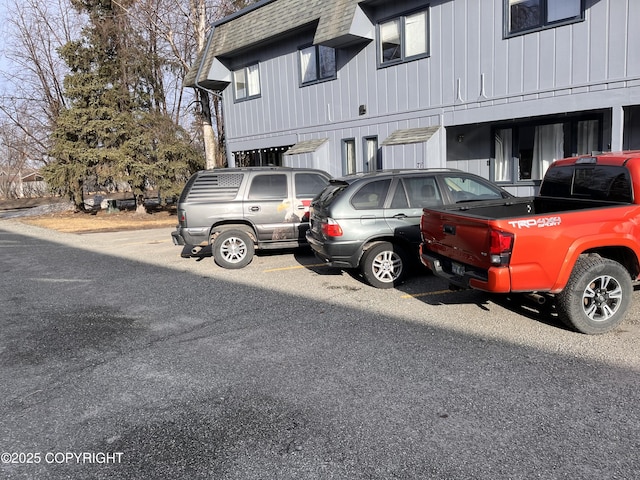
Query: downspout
x=215 y=94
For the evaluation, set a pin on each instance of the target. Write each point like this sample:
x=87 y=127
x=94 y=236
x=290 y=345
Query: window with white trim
x=246 y=82
x=317 y=63
x=523 y=16
x=404 y=38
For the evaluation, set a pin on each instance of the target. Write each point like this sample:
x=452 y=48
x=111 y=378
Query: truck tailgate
x=460 y=238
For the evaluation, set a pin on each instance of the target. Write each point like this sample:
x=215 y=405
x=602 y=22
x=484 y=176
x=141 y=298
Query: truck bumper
x=495 y=279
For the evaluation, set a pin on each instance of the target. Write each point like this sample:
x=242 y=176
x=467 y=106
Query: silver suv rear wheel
x=384 y=265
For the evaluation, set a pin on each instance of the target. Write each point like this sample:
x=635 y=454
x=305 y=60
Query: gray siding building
x=500 y=88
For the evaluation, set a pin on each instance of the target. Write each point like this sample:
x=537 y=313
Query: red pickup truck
x=577 y=242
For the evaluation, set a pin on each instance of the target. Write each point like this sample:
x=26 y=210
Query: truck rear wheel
x=596 y=297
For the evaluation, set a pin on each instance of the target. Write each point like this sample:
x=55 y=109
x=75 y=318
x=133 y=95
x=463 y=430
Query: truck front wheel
x=596 y=297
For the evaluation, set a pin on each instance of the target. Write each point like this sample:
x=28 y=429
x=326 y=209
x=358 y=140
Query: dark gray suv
x=238 y=210
x=371 y=221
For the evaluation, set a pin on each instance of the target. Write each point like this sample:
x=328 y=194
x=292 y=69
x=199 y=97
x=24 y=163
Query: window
x=463 y=188
x=371 y=195
x=404 y=38
x=528 y=15
x=373 y=159
x=608 y=183
x=246 y=82
x=349 y=156
x=422 y=192
x=264 y=187
x=317 y=63
x=523 y=152
x=309 y=184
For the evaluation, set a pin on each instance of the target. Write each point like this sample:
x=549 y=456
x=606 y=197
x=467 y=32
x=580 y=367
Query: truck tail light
x=500 y=247
x=331 y=228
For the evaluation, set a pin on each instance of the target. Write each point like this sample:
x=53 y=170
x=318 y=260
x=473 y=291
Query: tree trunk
x=77 y=196
x=210 y=144
x=140 y=207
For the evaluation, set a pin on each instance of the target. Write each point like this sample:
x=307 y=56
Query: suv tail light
x=500 y=247
x=182 y=218
x=331 y=228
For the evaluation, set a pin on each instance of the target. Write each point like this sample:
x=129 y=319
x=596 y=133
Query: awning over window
x=306 y=146
x=410 y=135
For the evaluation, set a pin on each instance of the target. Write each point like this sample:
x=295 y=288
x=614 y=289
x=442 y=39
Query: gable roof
x=338 y=22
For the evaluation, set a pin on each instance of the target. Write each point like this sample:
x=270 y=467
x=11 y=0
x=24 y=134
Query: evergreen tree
x=115 y=130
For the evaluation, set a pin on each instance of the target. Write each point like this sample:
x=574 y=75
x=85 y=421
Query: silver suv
x=238 y=210
x=371 y=221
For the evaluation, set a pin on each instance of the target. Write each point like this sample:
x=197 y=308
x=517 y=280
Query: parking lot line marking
x=415 y=295
x=293 y=268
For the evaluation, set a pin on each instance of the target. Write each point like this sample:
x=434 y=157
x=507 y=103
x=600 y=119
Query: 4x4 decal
x=539 y=222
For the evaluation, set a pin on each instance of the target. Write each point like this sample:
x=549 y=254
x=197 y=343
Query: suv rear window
x=330 y=192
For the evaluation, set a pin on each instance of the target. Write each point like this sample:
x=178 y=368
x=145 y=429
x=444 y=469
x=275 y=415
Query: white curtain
x=350 y=156
x=587 y=137
x=253 y=80
x=503 y=162
x=372 y=154
x=548 y=145
x=416 y=34
x=240 y=83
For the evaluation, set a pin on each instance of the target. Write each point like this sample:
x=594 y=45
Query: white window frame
x=551 y=14
x=404 y=32
x=246 y=82
x=317 y=64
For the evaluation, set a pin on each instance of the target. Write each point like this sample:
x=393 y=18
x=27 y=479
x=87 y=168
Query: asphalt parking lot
x=120 y=359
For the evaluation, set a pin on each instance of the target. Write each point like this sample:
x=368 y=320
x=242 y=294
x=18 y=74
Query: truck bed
x=521 y=207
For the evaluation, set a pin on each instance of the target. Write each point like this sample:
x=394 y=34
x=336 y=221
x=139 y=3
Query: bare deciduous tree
x=13 y=160
x=33 y=94
x=181 y=28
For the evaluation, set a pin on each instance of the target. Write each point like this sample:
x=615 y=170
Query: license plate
x=457 y=269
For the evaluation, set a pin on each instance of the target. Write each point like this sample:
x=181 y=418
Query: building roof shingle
x=337 y=21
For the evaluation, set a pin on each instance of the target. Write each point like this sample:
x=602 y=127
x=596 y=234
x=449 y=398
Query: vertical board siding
x=633 y=39
x=598 y=49
x=466 y=45
x=617 y=44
